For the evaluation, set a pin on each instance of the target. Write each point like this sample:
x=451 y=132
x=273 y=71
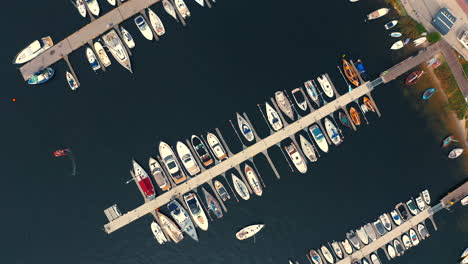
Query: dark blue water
x=228 y=58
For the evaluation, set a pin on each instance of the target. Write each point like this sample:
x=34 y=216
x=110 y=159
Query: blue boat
x=428 y=93
x=41 y=76
x=360 y=67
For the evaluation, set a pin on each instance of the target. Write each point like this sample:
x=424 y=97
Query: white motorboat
x=419 y=41
x=71 y=81
x=337 y=249
x=361 y=233
x=253 y=180
x=378 y=13
x=385 y=219
x=240 y=187
x=170 y=228
x=464 y=201
x=80 y=5
x=156 y=23
x=427 y=197
x=158 y=233
x=296 y=158
x=273 y=117
x=182 y=218
x=216 y=146
x=374 y=259
x=117 y=49
x=455 y=153
x=172 y=165
x=397 y=45
x=326 y=86
x=189 y=162
x=464 y=257
x=182 y=8
x=143 y=27
x=370 y=231
x=283 y=104
x=312 y=92
x=327 y=254
x=315 y=257
x=245 y=128
x=420 y=203
x=202 y=151
x=414 y=237
x=111 y=2
x=158 y=174
x=332 y=132
x=169 y=8
x=102 y=54
x=299 y=98
x=380 y=227
x=93 y=6
x=406 y=241
x=391 y=251
x=307 y=148
x=391 y=24
x=33 y=50
x=196 y=211
x=319 y=138
x=249 y=231
x=92 y=59
x=223 y=193
x=412 y=207
x=200 y=2
x=396 y=217
x=127 y=37
x=347 y=246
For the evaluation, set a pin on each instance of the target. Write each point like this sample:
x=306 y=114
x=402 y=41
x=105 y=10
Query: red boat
x=61 y=152
x=142 y=179
x=413 y=77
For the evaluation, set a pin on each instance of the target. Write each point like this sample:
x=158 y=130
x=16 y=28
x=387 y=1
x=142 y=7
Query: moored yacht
x=249 y=231
x=370 y=231
x=296 y=158
x=172 y=165
x=182 y=8
x=406 y=241
x=307 y=148
x=143 y=180
x=92 y=59
x=350 y=73
x=170 y=228
x=116 y=48
x=223 y=193
x=41 y=76
x=33 y=50
x=427 y=197
x=398 y=247
x=396 y=217
x=169 y=8
x=352 y=237
x=386 y=221
x=319 y=138
x=245 y=128
x=156 y=23
x=391 y=24
x=189 y=162
x=273 y=117
x=143 y=27
x=414 y=237
x=93 y=6
x=315 y=257
x=412 y=207
x=80 y=5
x=127 y=37
x=196 y=211
x=344 y=119
x=420 y=203
x=102 y=54
x=180 y=215
x=361 y=233
x=71 y=81
x=253 y=180
x=212 y=204
x=240 y=187
x=327 y=254
x=401 y=209
x=354 y=116
x=391 y=251
x=159 y=175
x=216 y=146
x=312 y=92
x=380 y=227
x=326 y=86
x=422 y=231
x=201 y=151
x=283 y=104
x=158 y=233
x=374 y=258
x=299 y=98
x=332 y=132
x=337 y=249
x=347 y=246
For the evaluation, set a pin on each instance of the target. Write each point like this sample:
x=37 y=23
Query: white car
x=463 y=38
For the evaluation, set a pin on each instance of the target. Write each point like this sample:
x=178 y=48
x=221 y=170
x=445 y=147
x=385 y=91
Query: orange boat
x=369 y=104
x=350 y=73
x=354 y=116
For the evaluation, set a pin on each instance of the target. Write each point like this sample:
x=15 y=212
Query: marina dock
x=238 y=158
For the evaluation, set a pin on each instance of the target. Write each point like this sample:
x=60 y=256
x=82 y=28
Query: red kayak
x=413 y=77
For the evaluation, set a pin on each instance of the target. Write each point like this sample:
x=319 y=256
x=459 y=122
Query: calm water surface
x=229 y=58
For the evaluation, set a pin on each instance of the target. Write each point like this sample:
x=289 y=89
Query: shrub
x=433 y=37
x=420 y=28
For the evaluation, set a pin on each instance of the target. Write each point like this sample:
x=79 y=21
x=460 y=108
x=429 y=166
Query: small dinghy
x=92 y=59
x=397 y=45
x=413 y=77
x=395 y=34
x=420 y=203
x=158 y=233
x=426 y=196
x=391 y=24
x=428 y=93
x=378 y=13
x=240 y=187
x=71 y=81
x=455 y=153
x=223 y=193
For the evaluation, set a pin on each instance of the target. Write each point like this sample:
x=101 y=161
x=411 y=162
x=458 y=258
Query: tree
x=433 y=37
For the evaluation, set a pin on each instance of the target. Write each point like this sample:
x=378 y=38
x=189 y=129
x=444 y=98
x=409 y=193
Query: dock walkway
x=238 y=158
x=87 y=33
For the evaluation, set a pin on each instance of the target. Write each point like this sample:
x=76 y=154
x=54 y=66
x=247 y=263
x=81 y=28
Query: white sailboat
x=115 y=46
x=245 y=128
x=169 y=8
x=273 y=117
x=156 y=23
x=182 y=8
x=240 y=187
x=80 y=5
x=326 y=86
x=307 y=148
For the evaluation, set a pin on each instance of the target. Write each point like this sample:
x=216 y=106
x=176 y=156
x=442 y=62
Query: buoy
x=13 y=99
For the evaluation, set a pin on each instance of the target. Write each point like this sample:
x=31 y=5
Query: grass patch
x=456 y=100
x=410 y=27
x=433 y=37
x=398 y=6
x=463 y=63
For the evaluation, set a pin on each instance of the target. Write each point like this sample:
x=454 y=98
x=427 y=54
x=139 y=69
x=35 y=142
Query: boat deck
x=238 y=158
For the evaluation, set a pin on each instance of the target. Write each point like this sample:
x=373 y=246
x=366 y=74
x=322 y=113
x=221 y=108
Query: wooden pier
x=238 y=158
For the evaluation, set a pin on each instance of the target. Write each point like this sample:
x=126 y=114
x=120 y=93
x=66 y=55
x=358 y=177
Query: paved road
x=424 y=10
